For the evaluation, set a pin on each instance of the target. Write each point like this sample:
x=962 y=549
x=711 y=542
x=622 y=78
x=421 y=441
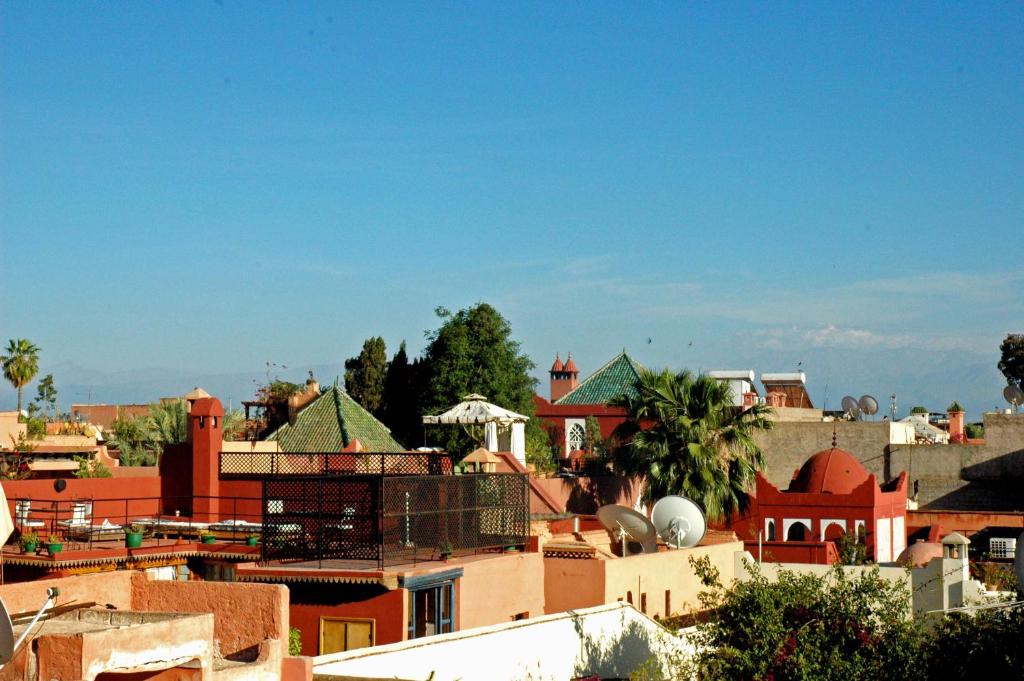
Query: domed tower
x=564 y=377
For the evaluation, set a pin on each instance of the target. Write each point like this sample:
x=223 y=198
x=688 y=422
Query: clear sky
x=207 y=186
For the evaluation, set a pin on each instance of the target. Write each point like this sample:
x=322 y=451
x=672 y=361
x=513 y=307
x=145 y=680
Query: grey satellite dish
x=850 y=405
x=868 y=405
x=680 y=522
x=625 y=523
x=1014 y=395
x=1018 y=562
x=6 y=636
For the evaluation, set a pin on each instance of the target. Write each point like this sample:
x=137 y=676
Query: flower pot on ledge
x=133 y=540
x=54 y=547
x=209 y=539
x=30 y=547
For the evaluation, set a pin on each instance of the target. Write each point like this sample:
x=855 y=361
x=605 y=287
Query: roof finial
x=833 y=434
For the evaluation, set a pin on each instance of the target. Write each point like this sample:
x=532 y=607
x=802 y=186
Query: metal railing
x=255 y=465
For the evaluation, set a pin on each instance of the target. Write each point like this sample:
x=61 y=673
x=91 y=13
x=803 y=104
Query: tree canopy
x=400 y=406
x=46 y=395
x=684 y=436
x=1011 y=359
x=365 y=375
x=20 y=364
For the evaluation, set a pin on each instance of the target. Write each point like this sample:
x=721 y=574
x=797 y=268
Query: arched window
x=771 y=530
x=577 y=437
x=798 y=532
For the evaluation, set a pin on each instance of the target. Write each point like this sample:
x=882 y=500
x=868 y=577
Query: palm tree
x=684 y=436
x=21 y=364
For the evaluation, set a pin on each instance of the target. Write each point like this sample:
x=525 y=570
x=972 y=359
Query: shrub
x=294 y=641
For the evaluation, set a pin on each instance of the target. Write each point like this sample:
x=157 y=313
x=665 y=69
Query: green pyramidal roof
x=615 y=378
x=330 y=422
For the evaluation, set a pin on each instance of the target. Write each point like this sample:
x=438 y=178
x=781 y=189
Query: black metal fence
x=256 y=465
x=392 y=519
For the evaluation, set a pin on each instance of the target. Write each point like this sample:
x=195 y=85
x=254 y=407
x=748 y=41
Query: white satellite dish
x=1014 y=395
x=868 y=404
x=680 y=521
x=6 y=636
x=850 y=406
x=625 y=523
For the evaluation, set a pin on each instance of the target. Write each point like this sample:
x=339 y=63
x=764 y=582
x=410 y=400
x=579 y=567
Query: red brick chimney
x=564 y=377
x=205 y=429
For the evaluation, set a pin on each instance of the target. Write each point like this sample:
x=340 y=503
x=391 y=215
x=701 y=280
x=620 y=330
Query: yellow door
x=338 y=635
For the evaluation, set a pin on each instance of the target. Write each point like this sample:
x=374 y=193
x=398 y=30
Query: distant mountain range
x=929 y=378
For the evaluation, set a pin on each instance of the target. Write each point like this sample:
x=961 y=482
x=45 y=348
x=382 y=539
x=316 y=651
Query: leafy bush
x=965 y=646
x=294 y=641
x=804 y=626
x=36 y=428
x=974 y=431
x=87 y=468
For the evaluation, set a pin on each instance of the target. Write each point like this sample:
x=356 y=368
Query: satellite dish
x=868 y=405
x=1018 y=562
x=680 y=522
x=625 y=523
x=6 y=636
x=850 y=405
x=1014 y=395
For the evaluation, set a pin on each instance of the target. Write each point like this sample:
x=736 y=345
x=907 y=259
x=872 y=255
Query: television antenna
x=626 y=524
x=680 y=521
x=868 y=405
x=8 y=646
x=1015 y=396
x=851 y=406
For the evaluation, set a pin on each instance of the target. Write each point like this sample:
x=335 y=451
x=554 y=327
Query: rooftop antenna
x=625 y=523
x=868 y=405
x=680 y=522
x=892 y=406
x=8 y=646
x=1015 y=396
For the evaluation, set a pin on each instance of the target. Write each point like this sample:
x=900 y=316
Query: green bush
x=36 y=428
x=294 y=641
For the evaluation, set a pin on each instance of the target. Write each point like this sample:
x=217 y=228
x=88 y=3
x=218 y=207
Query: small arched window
x=577 y=437
x=771 y=530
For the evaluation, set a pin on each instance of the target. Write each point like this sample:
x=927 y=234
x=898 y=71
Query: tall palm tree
x=21 y=364
x=684 y=436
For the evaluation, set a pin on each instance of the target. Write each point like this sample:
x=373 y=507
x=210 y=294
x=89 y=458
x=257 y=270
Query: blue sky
x=204 y=187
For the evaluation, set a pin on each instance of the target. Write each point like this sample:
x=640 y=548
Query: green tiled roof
x=330 y=422
x=615 y=378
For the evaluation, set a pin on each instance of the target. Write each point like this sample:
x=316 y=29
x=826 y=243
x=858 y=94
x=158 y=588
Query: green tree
x=980 y=644
x=364 y=375
x=1011 y=359
x=802 y=626
x=168 y=423
x=473 y=352
x=400 y=405
x=135 y=440
x=21 y=364
x=595 y=443
x=46 y=395
x=693 y=441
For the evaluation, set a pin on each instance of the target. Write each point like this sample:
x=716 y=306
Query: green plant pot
x=209 y=539
x=133 y=540
x=54 y=548
x=30 y=547
x=251 y=541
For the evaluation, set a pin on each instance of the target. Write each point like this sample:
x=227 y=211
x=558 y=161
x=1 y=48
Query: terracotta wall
x=964 y=522
x=245 y=615
x=108 y=495
x=494 y=590
x=820 y=553
x=571 y=584
x=310 y=602
x=114 y=588
x=586 y=494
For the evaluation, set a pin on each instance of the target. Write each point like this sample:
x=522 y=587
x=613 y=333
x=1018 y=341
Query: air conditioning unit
x=1002 y=547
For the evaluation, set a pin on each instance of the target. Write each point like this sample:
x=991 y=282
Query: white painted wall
x=883 y=540
x=608 y=640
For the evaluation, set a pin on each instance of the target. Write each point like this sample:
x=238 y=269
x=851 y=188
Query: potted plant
x=206 y=537
x=54 y=544
x=444 y=549
x=133 y=537
x=252 y=540
x=29 y=542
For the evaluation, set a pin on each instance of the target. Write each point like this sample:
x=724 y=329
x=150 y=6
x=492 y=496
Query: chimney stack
x=564 y=377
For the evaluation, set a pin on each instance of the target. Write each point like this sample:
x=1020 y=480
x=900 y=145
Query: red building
x=572 y=402
x=830 y=495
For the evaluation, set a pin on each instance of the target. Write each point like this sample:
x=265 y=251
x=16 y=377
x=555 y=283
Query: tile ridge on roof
x=345 y=438
x=633 y=364
x=373 y=419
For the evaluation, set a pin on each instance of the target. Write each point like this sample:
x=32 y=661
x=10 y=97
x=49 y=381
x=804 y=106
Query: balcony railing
x=256 y=465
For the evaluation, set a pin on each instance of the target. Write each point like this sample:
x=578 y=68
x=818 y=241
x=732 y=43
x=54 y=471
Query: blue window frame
x=431 y=603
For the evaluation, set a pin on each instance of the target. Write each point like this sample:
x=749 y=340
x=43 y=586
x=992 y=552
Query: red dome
x=832 y=471
x=570 y=366
x=557 y=366
x=920 y=554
